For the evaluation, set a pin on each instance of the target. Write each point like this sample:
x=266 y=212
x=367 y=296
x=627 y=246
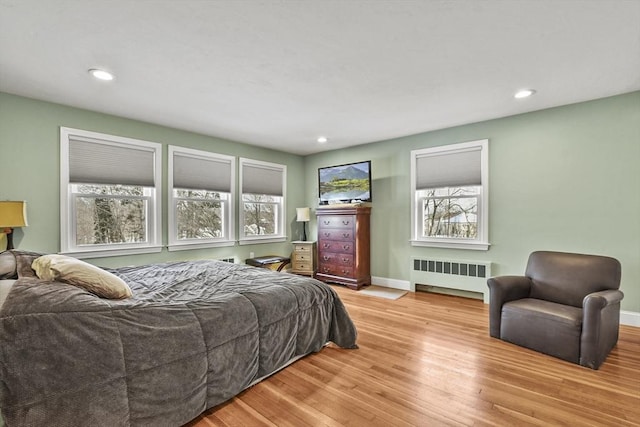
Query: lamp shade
x=13 y=214
x=303 y=214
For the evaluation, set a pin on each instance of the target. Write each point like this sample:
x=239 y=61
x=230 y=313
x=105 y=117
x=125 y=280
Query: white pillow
x=81 y=274
x=7 y=265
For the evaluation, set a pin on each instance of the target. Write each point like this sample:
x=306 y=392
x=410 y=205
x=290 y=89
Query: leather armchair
x=566 y=305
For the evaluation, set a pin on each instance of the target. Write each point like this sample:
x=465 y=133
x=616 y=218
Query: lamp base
x=9 y=233
x=304 y=231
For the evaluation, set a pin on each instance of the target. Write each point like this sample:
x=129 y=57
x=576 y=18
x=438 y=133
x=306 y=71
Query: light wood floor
x=427 y=360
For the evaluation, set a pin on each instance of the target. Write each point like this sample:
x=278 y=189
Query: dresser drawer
x=337 y=246
x=327 y=258
x=303 y=256
x=302 y=248
x=337 y=221
x=303 y=267
x=336 y=270
x=336 y=234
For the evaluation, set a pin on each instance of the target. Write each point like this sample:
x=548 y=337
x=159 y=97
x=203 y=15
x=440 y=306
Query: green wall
x=30 y=170
x=565 y=179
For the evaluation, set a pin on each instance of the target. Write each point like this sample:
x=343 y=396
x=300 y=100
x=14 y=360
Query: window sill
x=475 y=246
x=258 y=240
x=199 y=245
x=102 y=253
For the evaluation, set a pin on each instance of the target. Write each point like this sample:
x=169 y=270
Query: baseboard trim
x=629 y=318
x=404 y=285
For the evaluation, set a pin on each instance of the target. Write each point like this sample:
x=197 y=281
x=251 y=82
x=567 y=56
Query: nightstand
x=303 y=259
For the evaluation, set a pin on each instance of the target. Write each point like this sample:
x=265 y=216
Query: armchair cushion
x=548 y=327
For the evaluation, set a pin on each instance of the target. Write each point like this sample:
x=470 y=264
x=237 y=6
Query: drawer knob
x=326 y=222
x=346 y=247
x=327 y=234
x=326 y=258
x=326 y=245
x=346 y=221
x=345 y=235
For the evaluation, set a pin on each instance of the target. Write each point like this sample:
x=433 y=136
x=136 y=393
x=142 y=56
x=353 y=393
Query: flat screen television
x=349 y=183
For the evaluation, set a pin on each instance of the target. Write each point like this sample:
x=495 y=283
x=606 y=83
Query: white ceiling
x=280 y=73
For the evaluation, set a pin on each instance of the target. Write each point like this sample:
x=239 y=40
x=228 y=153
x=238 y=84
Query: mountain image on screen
x=345 y=183
x=348 y=172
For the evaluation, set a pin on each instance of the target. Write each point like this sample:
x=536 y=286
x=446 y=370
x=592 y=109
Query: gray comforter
x=193 y=335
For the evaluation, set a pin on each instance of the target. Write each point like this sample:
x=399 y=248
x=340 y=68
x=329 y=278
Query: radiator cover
x=453 y=274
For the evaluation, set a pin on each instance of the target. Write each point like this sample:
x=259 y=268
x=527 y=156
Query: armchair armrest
x=599 y=300
x=504 y=289
x=600 y=325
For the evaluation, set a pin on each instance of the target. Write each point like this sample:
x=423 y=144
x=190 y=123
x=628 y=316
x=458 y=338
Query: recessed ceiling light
x=524 y=93
x=322 y=139
x=101 y=74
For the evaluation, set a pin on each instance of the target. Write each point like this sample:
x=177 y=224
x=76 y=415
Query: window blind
x=449 y=169
x=94 y=162
x=259 y=179
x=200 y=173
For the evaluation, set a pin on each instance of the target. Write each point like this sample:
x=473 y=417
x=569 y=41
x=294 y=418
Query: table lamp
x=12 y=215
x=303 y=215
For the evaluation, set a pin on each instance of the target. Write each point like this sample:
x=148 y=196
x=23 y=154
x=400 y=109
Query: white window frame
x=280 y=213
x=228 y=238
x=67 y=206
x=482 y=240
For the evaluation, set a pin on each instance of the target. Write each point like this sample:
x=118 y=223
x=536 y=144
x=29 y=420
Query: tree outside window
x=260 y=214
x=199 y=214
x=110 y=214
x=450 y=212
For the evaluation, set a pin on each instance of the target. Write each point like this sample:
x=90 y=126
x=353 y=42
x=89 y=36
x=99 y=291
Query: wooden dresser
x=303 y=258
x=343 y=246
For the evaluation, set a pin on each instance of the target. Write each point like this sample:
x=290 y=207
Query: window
x=109 y=195
x=262 y=201
x=450 y=196
x=200 y=199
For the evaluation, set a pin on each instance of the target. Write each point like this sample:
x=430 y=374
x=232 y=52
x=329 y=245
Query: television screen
x=345 y=183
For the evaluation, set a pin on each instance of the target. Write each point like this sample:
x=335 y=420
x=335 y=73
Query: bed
x=193 y=335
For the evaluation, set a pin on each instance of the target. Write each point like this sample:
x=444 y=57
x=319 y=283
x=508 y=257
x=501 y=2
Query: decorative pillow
x=42 y=266
x=81 y=274
x=8 y=267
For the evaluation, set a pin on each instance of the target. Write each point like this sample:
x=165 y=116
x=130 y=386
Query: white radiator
x=470 y=276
